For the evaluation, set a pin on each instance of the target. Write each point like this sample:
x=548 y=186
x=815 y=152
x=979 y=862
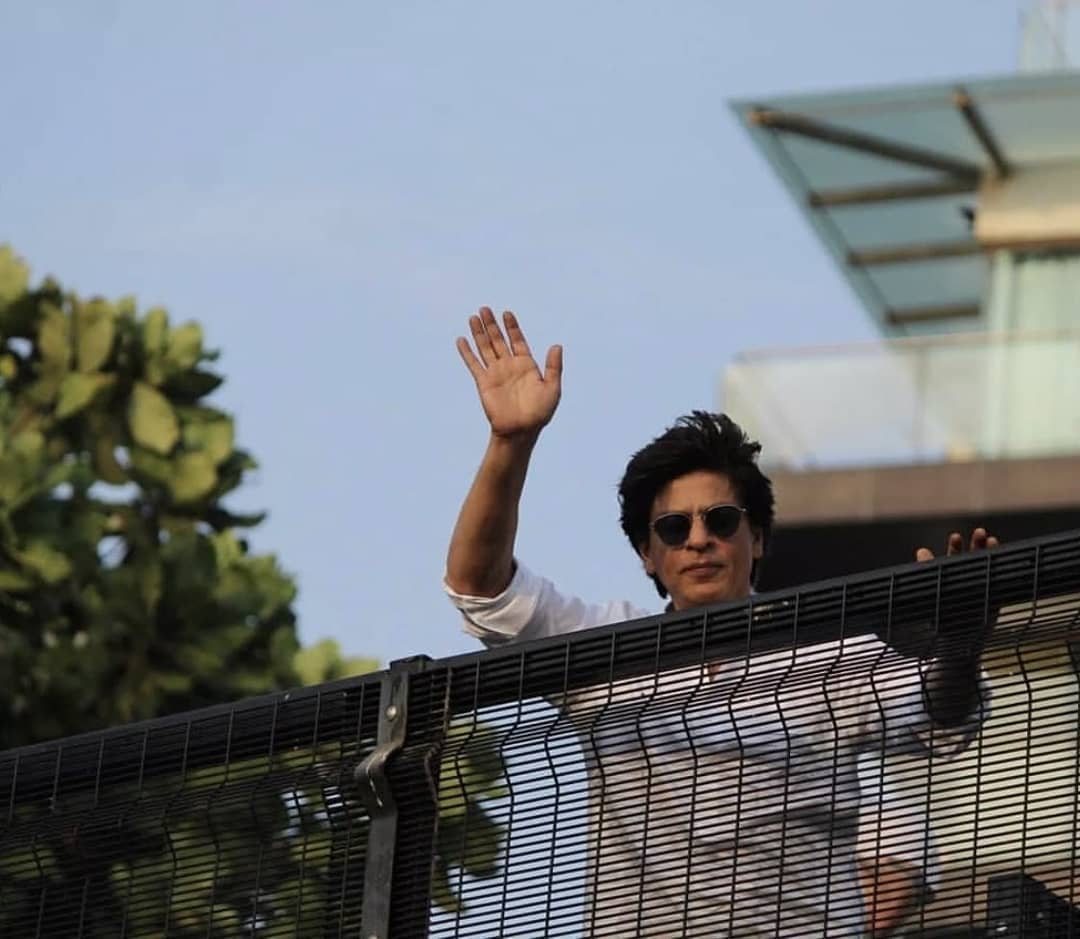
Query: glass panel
x=913 y=221
x=827 y=166
x=1035 y=128
x=1035 y=119
x=933 y=125
x=930 y=283
x=934 y=399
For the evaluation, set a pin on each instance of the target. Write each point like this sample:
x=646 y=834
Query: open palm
x=516 y=396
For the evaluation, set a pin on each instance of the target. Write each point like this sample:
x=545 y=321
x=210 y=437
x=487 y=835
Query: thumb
x=553 y=364
x=924 y=554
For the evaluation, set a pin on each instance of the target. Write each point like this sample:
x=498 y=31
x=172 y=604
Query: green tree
x=126 y=590
x=324 y=661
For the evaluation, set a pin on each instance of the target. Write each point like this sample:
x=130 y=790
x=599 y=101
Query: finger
x=480 y=337
x=472 y=363
x=978 y=539
x=518 y=345
x=553 y=365
x=494 y=334
x=924 y=554
x=992 y=542
x=955 y=544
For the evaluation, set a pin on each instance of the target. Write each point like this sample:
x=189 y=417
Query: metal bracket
x=377 y=795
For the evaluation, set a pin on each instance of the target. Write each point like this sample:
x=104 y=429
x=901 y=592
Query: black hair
x=697 y=441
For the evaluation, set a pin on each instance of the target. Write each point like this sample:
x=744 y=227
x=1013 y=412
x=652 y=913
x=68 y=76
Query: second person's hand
x=517 y=397
x=954 y=544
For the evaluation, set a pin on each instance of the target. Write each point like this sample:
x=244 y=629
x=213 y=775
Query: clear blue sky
x=332 y=187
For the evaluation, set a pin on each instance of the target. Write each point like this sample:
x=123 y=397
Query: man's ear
x=759 y=543
x=643 y=553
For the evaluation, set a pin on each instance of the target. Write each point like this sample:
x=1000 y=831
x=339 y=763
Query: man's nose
x=700 y=536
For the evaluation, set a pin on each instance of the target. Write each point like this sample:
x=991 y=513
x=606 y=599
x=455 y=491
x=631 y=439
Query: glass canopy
x=889 y=179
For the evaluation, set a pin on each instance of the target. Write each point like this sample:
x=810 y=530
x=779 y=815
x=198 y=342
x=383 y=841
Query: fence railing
x=761 y=768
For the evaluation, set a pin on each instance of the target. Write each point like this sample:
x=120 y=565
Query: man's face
x=706 y=568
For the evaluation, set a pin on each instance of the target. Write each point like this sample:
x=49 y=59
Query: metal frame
x=377 y=794
x=866 y=143
x=398 y=778
x=902 y=254
x=896 y=192
x=937 y=141
x=830 y=608
x=960 y=178
x=941 y=250
x=924 y=314
x=975 y=122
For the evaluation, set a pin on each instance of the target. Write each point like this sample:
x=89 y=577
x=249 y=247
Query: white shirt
x=724 y=800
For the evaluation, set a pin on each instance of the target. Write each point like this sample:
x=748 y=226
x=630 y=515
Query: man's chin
x=706 y=594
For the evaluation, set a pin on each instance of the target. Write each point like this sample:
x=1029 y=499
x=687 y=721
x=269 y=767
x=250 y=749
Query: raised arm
x=518 y=401
x=952 y=682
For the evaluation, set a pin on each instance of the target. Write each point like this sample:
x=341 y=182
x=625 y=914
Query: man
x=765 y=757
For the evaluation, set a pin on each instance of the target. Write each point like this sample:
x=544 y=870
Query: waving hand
x=517 y=397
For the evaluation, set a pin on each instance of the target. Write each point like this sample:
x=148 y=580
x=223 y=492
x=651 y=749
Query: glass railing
x=925 y=400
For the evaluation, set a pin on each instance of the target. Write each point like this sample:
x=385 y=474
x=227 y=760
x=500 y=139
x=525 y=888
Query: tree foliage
x=126 y=588
x=324 y=661
x=127 y=591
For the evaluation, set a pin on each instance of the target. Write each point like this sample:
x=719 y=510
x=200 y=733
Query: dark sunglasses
x=721 y=520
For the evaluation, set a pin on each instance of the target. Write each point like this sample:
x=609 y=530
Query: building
x=953 y=211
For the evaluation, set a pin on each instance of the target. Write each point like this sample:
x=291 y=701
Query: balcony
x=647 y=778
x=936 y=399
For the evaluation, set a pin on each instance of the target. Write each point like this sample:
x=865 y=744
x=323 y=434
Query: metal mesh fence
x=228 y=822
x=765 y=768
x=768 y=769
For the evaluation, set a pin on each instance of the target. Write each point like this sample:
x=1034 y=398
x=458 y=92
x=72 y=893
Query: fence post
x=381 y=801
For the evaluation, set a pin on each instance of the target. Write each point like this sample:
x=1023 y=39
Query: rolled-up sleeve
x=894 y=713
x=531 y=608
